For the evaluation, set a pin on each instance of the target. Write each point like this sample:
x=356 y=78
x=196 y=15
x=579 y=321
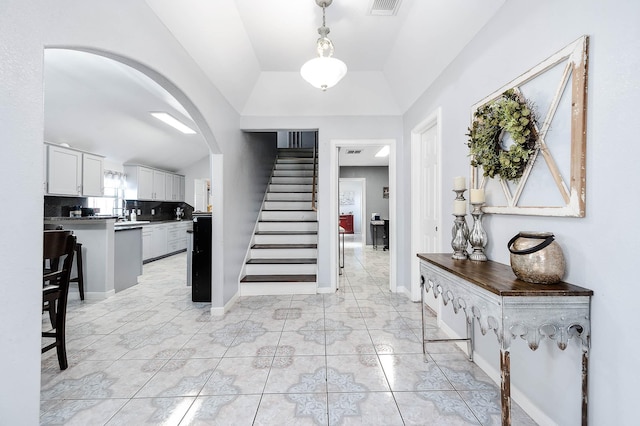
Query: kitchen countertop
x=66 y=218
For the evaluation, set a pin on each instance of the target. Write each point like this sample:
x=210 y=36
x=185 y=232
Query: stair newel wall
x=315 y=173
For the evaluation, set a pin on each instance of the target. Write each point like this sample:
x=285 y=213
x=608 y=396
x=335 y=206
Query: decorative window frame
x=573 y=194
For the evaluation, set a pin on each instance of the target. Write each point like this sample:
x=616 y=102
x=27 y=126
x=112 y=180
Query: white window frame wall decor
x=571 y=188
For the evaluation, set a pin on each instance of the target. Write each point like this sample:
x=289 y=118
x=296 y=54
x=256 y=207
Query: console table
x=490 y=293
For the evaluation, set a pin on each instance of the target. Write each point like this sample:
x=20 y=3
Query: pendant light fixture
x=324 y=71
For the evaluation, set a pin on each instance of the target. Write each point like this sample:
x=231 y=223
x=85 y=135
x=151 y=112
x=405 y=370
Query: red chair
x=58 y=252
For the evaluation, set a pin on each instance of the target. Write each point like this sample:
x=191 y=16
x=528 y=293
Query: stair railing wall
x=315 y=173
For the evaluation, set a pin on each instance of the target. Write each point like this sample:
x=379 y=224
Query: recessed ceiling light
x=173 y=122
x=384 y=151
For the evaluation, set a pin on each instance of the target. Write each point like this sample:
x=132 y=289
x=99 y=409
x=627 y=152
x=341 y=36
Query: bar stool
x=80 y=278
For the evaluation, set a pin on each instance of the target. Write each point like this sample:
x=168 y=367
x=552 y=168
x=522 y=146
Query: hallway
x=150 y=355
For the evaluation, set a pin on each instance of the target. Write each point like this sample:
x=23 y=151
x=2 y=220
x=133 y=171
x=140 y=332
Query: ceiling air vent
x=384 y=7
x=354 y=151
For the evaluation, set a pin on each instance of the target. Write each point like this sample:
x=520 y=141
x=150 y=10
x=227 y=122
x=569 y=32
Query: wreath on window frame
x=508 y=114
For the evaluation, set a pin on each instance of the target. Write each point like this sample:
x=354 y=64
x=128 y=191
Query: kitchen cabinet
x=159 y=185
x=346 y=221
x=159 y=240
x=177 y=188
x=70 y=172
x=92 y=175
x=162 y=239
x=146 y=183
x=147 y=231
x=177 y=237
x=168 y=187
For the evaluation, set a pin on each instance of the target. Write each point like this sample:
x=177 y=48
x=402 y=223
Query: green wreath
x=511 y=114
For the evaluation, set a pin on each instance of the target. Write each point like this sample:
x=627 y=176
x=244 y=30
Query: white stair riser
x=289 y=196
x=287 y=166
x=299 y=173
x=280 y=269
x=289 y=215
x=288 y=226
x=293 y=179
x=286 y=239
x=290 y=188
x=287 y=205
x=283 y=253
x=277 y=288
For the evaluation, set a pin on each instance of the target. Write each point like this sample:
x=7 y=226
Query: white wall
x=601 y=249
x=199 y=170
x=21 y=171
x=330 y=128
x=129 y=31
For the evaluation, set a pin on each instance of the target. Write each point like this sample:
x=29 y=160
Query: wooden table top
x=499 y=278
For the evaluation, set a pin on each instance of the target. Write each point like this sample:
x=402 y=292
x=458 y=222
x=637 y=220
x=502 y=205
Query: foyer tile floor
x=148 y=355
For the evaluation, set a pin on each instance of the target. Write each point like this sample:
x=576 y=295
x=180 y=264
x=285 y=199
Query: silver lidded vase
x=536 y=257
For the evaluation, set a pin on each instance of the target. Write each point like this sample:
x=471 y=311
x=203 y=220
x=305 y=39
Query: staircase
x=283 y=255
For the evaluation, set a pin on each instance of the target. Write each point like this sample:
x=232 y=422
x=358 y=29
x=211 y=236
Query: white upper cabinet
x=139 y=182
x=169 y=189
x=73 y=173
x=146 y=183
x=178 y=188
x=159 y=185
x=92 y=175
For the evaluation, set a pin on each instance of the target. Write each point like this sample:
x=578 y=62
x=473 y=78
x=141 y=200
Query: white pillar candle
x=459 y=207
x=459 y=182
x=477 y=195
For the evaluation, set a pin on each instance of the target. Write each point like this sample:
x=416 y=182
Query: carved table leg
x=422 y=291
x=505 y=387
x=585 y=387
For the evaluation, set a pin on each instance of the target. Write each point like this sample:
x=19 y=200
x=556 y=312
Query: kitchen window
x=112 y=202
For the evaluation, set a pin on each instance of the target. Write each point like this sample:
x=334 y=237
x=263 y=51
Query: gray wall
x=376 y=178
x=600 y=249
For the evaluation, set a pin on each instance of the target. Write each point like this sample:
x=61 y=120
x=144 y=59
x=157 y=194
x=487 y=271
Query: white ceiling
x=251 y=49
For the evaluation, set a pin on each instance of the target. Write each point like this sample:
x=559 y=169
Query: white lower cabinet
x=147 y=231
x=159 y=240
x=164 y=238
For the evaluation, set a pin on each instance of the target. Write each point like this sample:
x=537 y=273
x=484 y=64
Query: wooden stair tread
x=284 y=246
x=282 y=261
x=278 y=278
x=286 y=232
x=286 y=221
x=285 y=210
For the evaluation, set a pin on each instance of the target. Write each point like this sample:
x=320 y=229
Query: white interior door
x=425 y=195
x=430 y=183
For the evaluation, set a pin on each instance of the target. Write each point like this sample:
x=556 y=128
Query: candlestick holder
x=459 y=194
x=478 y=236
x=460 y=234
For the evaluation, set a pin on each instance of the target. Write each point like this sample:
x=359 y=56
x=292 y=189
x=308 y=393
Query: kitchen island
x=96 y=233
x=128 y=256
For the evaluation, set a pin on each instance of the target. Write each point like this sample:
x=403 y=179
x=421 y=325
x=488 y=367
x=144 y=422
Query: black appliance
x=201 y=259
x=87 y=211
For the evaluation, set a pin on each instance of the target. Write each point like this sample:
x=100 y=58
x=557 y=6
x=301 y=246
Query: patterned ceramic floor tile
x=150 y=355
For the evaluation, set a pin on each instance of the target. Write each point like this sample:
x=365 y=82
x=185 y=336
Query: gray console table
x=490 y=293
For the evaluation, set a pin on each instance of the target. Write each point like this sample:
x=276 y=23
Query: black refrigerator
x=201 y=259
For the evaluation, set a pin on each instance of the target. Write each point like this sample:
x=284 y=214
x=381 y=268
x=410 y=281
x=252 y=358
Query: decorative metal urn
x=536 y=257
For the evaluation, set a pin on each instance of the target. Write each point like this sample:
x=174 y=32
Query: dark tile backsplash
x=59 y=206
x=163 y=210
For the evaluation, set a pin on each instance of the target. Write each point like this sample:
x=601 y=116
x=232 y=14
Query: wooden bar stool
x=58 y=254
x=80 y=278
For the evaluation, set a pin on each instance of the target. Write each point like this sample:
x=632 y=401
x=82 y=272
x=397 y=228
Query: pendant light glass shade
x=324 y=71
